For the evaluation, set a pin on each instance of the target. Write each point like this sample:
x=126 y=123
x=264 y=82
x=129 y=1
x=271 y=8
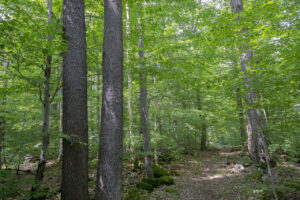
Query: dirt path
x=215 y=175
x=207 y=176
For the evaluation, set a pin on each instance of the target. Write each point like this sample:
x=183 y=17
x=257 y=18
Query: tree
x=46 y=107
x=239 y=102
x=203 y=122
x=144 y=119
x=75 y=125
x=257 y=146
x=109 y=172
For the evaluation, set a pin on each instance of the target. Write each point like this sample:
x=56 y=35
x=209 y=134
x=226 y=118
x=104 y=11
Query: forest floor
x=216 y=175
x=203 y=175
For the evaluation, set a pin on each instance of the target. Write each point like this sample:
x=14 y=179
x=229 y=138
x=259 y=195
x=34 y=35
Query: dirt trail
x=207 y=177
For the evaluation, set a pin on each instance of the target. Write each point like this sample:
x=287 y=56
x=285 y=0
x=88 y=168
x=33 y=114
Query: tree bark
x=203 y=123
x=241 y=115
x=144 y=120
x=109 y=173
x=257 y=146
x=75 y=125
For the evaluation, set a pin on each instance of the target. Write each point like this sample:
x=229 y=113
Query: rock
x=237 y=168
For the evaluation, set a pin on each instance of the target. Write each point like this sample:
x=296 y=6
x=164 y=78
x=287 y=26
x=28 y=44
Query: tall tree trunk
x=75 y=124
x=109 y=174
x=241 y=115
x=203 y=123
x=46 y=111
x=144 y=120
x=257 y=147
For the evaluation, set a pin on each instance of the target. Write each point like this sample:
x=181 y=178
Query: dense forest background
x=185 y=92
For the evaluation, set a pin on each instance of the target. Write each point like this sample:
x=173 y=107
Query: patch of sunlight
x=194 y=161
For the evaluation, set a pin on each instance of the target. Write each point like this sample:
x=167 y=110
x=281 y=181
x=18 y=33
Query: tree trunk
x=75 y=124
x=144 y=120
x=241 y=115
x=109 y=174
x=257 y=147
x=203 y=123
x=46 y=111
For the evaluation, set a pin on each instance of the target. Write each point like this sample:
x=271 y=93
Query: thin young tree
x=46 y=108
x=75 y=125
x=203 y=122
x=144 y=119
x=108 y=185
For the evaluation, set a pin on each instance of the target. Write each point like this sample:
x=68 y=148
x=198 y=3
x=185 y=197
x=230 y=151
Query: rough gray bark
x=257 y=146
x=75 y=125
x=144 y=120
x=109 y=173
x=46 y=111
x=241 y=115
x=203 y=124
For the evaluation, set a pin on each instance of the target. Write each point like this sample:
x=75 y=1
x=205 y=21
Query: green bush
x=152 y=181
x=144 y=186
x=159 y=172
x=172 y=190
x=257 y=175
x=133 y=194
x=166 y=180
x=174 y=173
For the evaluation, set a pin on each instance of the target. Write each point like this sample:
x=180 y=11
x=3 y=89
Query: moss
x=144 y=186
x=172 y=190
x=152 y=181
x=166 y=180
x=133 y=194
x=159 y=172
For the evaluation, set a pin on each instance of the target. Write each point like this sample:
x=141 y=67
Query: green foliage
x=256 y=175
x=159 y=172
x=293 y=184
x=166 y=180
x=190 y=49
x=133 y=194
x=8 y=184
x=144 y=186
x=172 y=190
x=174 y=173
x=155 y=182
